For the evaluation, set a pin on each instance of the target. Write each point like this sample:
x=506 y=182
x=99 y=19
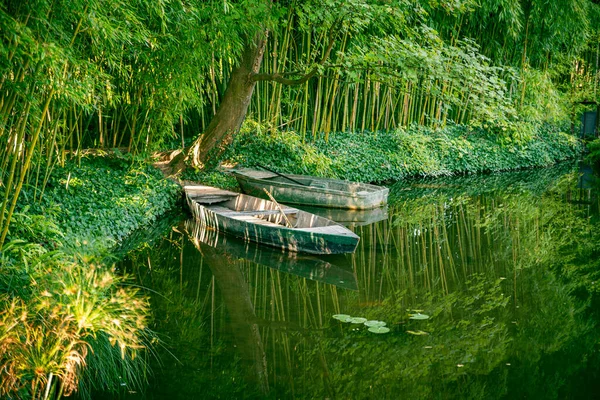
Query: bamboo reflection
x=436 y=244
x=262 y=312
x=465 y=259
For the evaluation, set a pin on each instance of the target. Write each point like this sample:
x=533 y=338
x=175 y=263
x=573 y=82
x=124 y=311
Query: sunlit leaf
x=418 y=333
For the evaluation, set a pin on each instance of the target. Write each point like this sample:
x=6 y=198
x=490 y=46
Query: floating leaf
x=358 y=320
x=418 y=333
x=379 y=329
x=342 y=317
x=419 y=316
x=375 y=323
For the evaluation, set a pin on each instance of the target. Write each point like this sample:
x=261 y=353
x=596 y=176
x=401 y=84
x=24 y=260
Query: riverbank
x=381 y=157
x=68 y=320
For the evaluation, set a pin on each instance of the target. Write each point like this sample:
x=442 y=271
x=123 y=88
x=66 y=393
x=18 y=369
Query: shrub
x=53 y=309
x=102 y=200
x=68 y=322
x=398 y=154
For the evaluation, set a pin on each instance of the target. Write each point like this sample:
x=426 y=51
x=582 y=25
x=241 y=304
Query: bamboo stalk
x=26 y=166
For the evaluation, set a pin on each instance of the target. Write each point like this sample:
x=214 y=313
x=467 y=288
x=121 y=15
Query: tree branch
x=279 y=77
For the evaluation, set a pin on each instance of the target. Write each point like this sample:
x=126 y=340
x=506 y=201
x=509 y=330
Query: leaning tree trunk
x=235 y=102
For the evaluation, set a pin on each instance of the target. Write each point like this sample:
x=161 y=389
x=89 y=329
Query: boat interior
x=264 y=212
x=329 y=185
x=260 y=211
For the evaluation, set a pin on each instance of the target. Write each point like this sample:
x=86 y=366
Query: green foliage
x=593 y=158
x=108 y=372
x=54 y=310
x=210 y=178
x=36 y=228
x=103 y=200
x=68 y=323
x=392 y=156
x=543 y=101
x=287 y=150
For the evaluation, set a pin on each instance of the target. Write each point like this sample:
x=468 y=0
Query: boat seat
x=209 y=199
x=333 y=229
x=254 y=220
x=227 y=211
x=219 y=209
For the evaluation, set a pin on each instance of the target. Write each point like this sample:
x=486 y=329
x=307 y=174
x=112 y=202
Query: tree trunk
x=234 y=105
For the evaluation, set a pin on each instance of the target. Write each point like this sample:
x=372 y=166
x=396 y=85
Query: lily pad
x=379 y=329
x=375 y=323
x=419 y=316
x=358 y=320
x=342 y=317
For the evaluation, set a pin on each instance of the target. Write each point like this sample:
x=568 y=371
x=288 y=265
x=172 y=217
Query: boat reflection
x=350 y=217
x=331 y=269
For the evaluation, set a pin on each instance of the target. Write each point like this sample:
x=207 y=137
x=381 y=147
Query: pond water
x=488 y=286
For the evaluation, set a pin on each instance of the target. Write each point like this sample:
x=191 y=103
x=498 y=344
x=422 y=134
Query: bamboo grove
x=148 y=76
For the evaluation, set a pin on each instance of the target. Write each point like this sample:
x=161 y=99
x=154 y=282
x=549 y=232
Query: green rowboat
x=267 y=222
x=310 y=190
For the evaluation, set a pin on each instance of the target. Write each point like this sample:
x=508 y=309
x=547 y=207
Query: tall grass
x=55 y=309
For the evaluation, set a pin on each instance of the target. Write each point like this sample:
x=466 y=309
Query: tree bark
x=234 y=105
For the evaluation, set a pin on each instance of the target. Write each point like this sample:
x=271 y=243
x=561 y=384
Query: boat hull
x=320 y=192
x=330 y=269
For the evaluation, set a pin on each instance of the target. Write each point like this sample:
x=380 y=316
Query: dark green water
x=505 y=266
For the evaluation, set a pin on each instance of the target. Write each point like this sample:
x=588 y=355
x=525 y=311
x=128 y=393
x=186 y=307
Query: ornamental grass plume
x=51 y=321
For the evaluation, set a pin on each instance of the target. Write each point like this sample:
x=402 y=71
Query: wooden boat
x=268 y=222
x=333 y=269
x=310 y=190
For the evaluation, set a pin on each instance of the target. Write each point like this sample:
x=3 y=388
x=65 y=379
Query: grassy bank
x=399 y=154
x=68 y=320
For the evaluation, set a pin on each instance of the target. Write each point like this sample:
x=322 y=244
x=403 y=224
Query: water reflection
x=505 y=266
x=240 y=309
x=331 y=269
x=350 y=217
